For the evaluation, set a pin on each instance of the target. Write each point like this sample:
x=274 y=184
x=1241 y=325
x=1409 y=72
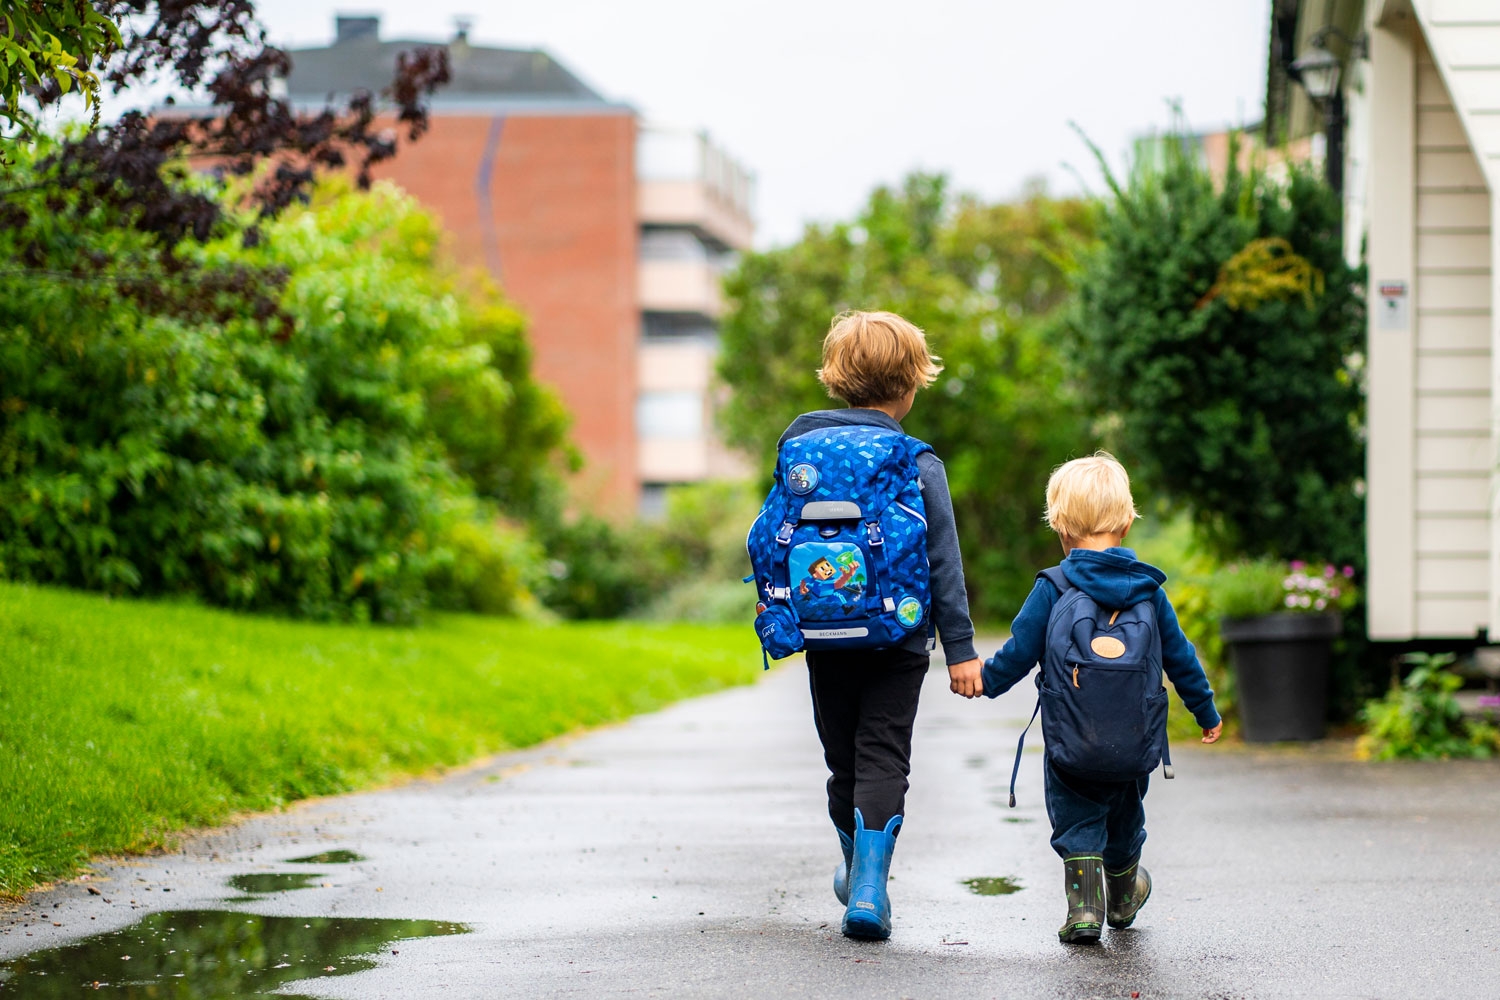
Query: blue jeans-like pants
x=1105 y=818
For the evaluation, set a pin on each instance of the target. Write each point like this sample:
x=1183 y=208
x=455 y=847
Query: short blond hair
x=1090 y=496
x=875 y=357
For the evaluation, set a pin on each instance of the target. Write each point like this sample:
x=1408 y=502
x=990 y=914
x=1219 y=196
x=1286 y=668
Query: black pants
x=864 y=704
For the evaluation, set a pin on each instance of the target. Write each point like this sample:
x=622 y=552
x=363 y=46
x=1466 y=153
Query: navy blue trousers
x=1104 y=818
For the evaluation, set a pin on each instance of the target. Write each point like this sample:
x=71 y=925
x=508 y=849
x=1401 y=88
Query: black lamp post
x=1320 y=73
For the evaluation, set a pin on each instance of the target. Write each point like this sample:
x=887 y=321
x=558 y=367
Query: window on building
x=671 y=243
x=653 y=501
x=671 y=415
x=678 y=326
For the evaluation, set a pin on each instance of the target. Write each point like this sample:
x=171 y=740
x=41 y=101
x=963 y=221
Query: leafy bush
x=982 y=280
x=684 y=567
x=594 y=569
x=166 y=435
x=1170 y=544
x=489 y=566
x=1420 y=719
x=1219 y=335
x=707 y=603
x=700 y=545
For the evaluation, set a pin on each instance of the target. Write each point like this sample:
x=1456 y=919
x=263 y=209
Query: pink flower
x=1328 y=570
x=1348 y=572
x=1298 y=565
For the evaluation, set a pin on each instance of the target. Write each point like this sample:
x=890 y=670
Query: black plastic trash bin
x=1280 y=665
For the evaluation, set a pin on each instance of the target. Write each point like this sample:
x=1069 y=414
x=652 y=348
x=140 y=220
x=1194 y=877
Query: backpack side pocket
x=778 y=631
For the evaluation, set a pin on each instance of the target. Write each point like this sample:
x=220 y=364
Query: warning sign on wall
x=1392 y=305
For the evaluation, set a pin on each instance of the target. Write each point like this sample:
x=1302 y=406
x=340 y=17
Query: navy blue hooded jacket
x=1114 y=578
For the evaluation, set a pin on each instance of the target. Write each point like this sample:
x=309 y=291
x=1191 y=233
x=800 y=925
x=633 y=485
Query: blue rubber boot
x=841 y=873
x=868 y=914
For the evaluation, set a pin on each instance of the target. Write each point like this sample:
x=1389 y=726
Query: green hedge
x=297 y=426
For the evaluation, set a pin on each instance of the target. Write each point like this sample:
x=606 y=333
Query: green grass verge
x=123 y=721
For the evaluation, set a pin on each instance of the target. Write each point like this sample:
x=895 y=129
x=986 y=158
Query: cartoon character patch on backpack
x=839 y=551
x=1100 y=691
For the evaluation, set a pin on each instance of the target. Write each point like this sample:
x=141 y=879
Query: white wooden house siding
x=1435 y=154
x=1453 y=367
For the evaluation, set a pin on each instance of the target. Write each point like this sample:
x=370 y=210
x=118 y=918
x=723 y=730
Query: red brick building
x=535 y=176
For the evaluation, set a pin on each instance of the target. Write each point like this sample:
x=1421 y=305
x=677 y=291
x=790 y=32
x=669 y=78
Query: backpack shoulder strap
x=1055 y=576
x=916 y=446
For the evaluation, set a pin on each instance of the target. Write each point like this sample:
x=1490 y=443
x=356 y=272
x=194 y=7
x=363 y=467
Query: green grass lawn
x=124 y=721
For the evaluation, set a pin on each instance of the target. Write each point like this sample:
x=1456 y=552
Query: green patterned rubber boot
x=1083 y=878
x=1127 y=892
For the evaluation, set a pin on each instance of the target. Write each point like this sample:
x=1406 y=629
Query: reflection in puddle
x=329 y=858
x=263 y=882
x=192 y=954
x=999 y=886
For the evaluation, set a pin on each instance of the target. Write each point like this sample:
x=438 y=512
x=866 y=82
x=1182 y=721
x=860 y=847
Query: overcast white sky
x=824 y=99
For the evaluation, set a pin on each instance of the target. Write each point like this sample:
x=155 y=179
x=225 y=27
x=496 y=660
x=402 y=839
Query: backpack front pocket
x=828 y=580
x=1102 y=722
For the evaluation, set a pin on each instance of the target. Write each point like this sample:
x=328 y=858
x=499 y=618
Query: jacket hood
x=1114 y=578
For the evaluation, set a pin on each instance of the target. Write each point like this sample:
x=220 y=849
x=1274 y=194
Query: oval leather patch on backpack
x=1108 y=647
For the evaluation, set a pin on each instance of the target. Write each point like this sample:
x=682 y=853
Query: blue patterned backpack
x=839 y=551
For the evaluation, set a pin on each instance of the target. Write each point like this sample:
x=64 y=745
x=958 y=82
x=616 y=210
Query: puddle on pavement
x=992 y=886
x=190 y=954
x=329 y=858
x=261 y=883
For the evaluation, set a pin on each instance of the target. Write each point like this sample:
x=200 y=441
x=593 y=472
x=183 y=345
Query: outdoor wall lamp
x=1318 y=70
x=1320 y=73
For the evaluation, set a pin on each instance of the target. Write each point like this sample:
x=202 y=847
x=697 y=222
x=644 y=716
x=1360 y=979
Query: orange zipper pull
x=1075 y=678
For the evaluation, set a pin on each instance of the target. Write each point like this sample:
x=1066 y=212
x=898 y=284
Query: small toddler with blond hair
x=1071 y=624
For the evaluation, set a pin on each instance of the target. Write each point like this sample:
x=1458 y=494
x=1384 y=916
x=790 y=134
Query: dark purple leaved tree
x=136 y=166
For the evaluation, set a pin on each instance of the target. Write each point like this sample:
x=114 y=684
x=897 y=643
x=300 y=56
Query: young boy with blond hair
x=1104 y=632
x=853 y=499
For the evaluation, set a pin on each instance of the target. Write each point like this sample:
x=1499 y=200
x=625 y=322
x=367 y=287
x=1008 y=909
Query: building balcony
x=687 y=182
x=696 y=205
x=680 y=286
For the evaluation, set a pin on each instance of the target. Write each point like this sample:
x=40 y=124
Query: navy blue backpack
x=839 y=551
x=1103 y=705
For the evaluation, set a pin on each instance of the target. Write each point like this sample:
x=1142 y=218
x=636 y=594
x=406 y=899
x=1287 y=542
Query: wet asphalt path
x=688 y=854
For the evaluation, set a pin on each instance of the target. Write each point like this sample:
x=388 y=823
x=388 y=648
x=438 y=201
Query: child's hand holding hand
x=1212 y=735
x=966 y=678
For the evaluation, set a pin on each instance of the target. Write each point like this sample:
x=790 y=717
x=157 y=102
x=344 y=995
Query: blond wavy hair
x=1090 y=496
x=871 y=358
